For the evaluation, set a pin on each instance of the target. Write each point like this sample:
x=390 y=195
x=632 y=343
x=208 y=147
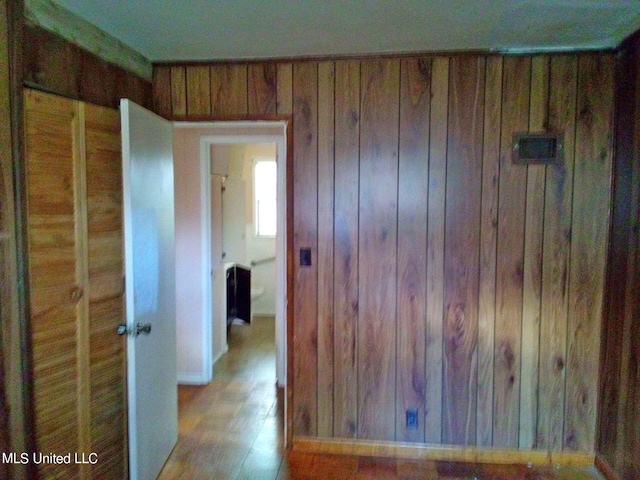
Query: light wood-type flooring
x=233 y=429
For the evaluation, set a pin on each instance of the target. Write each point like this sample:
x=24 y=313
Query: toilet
x=256 y=292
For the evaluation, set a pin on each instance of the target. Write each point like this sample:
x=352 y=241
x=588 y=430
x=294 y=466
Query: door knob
x=140 y=328
x=146 y=329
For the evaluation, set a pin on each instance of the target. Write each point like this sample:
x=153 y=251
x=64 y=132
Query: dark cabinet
x=238 y=294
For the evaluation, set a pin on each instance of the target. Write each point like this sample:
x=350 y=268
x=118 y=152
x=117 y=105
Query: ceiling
x=165 y=30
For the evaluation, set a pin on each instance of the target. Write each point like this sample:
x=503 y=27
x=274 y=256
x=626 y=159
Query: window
x=264 y=194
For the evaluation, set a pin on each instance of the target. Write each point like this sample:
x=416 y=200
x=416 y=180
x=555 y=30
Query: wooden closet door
x=51 y=134
x=74 y=209
x=107 y=360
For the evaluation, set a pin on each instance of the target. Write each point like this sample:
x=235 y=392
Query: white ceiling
x=165 y=30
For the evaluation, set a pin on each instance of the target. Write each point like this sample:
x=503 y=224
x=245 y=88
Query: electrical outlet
x=305 y=257
x=412 y=419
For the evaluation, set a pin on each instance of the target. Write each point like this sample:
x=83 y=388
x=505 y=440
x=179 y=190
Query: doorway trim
x=242 y=132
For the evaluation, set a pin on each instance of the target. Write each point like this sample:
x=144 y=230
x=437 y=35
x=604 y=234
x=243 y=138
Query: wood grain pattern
x=305 y=215
x=229 y=90
x=198 y=90
x=326 y=105
x=75 y=247
x=413 y=182
x=533 y=236
x=498 y=244
x=178 y=91
x=555 y=260
x=105 y=257
x=488 y=245
x=162 y=85
x=618 y=439
x=262 y=88
x=377 y=248
x=97 y=81
x=51 y=132
x=56 y=65
x=51 y=61
x=588 y=247
x=346 y=274
x=284 y=96
x=509 y=271
x=461 y=262
x=435 y=249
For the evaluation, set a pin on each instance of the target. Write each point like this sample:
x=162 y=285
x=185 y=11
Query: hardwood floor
x=232 y=429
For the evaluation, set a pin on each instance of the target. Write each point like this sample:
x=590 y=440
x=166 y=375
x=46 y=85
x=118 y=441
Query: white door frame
x=238 y=132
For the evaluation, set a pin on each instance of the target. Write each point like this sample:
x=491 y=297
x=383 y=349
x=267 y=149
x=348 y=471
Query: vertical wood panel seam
x=317 y=234
x=397 y=340
x=570 y=248
x=524 y=259
x=82 y=281
x=426 y=249
x=495 y=291
x=357 y=257
x=542 y=251
x=444 y=237
x=479 y=246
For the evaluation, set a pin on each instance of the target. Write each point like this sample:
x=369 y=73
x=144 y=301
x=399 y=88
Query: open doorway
x=201 y=309
x=243 y=236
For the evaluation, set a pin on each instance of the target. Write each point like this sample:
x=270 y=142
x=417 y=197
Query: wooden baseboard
x=605 y=469
x=440 y=453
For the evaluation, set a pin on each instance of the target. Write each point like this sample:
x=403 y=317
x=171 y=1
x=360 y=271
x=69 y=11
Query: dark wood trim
x=378 y=56
x=55 y=65
x=231 y=118
x=605 y=469
x=15 y=15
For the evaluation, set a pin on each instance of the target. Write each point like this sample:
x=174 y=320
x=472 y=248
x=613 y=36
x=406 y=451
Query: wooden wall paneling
x=413 y=184
x=97 y=81
x=326 y=106
x=10 y=385
x=435 y=248
x=198 y=90
x=262 y=88
x=462 y=247
x=178 y=91
x=590 y=221
x=346 y=271
x=162 y=90
x=134 y=88
x=284 y=82
x=377 y=250
x=533 y=235
x=619 y=278
x=229 y=90
x=51 y=138
x=52 y=61
x=305 y=217
x=628 y=441
x=107 y=357
x=488 y=245
x=510 y=267
x=555 y=256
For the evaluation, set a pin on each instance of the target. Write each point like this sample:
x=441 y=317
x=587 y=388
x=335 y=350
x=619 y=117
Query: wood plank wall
x=619 y=413
x=444 y=278
x=56 y=65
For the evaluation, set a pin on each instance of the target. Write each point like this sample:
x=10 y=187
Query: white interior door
x=147 y=143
